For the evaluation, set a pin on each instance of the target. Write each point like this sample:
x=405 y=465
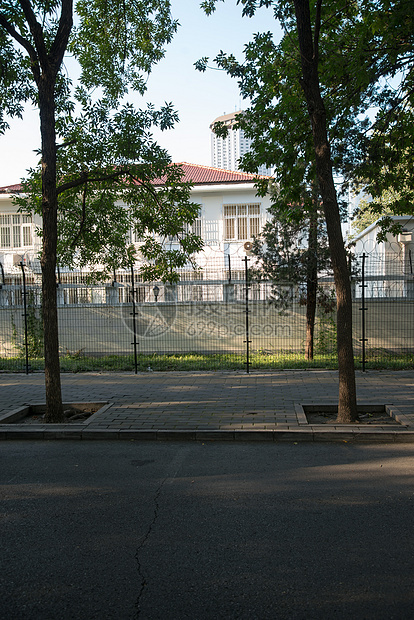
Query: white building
x=226 y=152
x=388 y=265
x=231 y=214
x=19 y=242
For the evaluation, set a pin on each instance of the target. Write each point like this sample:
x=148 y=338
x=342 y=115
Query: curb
x=78 y=432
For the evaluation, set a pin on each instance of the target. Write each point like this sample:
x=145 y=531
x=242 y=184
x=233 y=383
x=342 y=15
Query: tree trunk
x=347 y=407
x=311 y=283
x=54 y=408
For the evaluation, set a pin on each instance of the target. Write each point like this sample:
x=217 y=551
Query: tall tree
x=308 y=39
x=306 y=17
x=116 y=44
x=343 y=53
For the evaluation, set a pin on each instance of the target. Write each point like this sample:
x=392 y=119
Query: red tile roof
x=193 y=173
x=10 y=189
x=205 y=175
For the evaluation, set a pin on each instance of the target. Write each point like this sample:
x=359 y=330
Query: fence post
x=2 y=283
x=247 y=341
x=60 y=294
x=134 y=324
x=363 y=310
x=26 y=343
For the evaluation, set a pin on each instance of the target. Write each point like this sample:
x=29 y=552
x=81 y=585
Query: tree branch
x=72 y=184
x=60 y=43
x=37 y=32
x=24 y=43
x=84 y=177
x=53 y=59
x=66 y=144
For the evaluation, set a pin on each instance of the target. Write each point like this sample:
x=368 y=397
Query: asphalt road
x=137 y=530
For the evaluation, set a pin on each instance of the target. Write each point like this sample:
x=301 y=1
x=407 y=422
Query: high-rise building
x=226 y=152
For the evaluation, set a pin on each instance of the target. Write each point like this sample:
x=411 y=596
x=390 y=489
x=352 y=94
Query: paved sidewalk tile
x=212 y=405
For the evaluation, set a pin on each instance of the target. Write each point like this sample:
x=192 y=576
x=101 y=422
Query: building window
x=196 y=228
x=15 y=230
x=5 y=230
x=241 y=221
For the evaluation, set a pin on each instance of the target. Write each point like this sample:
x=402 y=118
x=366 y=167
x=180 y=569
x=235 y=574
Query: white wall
x=211 y=198
x=9 y=257
x=391 y=261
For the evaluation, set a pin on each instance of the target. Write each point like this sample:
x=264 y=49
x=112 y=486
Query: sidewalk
x=210 y=405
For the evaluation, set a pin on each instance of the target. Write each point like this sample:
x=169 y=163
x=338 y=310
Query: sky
x=198 y=97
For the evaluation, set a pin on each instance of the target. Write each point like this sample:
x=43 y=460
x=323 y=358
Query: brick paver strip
x=210 y=405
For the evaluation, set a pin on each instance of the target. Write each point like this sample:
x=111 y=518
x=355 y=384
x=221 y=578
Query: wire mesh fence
x=211 y=319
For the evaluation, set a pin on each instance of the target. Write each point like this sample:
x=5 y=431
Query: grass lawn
x=196 y=361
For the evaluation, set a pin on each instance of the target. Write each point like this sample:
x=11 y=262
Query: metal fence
x=201 y=322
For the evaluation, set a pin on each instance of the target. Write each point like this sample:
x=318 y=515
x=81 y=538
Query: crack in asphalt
x=141 y=545
x=171 y=475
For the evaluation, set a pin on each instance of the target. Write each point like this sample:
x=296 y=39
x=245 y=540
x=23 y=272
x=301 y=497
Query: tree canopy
x=94 y=147
x=365 y=69
x=117 y=186
x=102 y=153
x=115 y=43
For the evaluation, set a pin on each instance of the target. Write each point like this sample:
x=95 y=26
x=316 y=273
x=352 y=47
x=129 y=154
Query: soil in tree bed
x=375 y=414
x=75 y=413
